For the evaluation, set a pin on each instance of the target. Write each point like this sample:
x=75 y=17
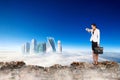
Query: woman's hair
x=94 y=24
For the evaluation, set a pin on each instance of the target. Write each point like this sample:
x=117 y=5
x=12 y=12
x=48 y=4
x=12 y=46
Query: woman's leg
x=94 y=59
x=97 y=58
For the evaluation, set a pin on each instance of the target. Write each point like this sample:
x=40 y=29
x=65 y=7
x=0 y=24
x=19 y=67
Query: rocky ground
x=76 y=71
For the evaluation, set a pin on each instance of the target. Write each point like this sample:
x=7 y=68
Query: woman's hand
x=98 y=45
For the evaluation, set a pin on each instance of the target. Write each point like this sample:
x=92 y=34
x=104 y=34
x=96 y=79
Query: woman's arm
x=98 y=37
x=88 y=30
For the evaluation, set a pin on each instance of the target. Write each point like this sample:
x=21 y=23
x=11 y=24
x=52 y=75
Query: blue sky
x=65 y=20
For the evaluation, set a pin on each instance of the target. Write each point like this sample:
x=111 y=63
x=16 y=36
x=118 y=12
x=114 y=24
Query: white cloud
x=48 y=59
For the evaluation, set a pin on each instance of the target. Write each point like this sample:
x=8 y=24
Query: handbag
x=98 y=50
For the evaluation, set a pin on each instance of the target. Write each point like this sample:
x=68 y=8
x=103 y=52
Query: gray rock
x=106 y=70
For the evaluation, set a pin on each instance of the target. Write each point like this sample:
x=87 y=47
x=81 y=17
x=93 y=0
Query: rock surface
x=106 y=70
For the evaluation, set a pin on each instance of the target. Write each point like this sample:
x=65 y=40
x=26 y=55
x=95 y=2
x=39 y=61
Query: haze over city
x=65 y=20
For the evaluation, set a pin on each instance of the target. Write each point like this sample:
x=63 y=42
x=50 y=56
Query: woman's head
x=93 y=26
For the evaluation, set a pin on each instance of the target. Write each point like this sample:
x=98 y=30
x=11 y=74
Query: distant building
x=23 y=48
x=51 y=43
x=33 y=46
x=27 y=47
x=59 y=46
x=41 y=47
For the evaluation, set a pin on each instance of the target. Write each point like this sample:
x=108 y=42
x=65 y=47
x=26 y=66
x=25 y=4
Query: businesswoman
x=95 y=40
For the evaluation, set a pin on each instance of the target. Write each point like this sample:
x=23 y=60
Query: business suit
x=95 y=38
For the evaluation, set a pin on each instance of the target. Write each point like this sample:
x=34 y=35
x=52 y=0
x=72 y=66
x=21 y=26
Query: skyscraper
x=59 y=46
x=44 y=47
x=51 y=43
x=27 y=47
x=41 y=47
x=33 y=46
x=23 y=48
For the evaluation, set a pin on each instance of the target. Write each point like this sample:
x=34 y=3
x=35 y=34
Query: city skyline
x=65 y=20
x=35 y=46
